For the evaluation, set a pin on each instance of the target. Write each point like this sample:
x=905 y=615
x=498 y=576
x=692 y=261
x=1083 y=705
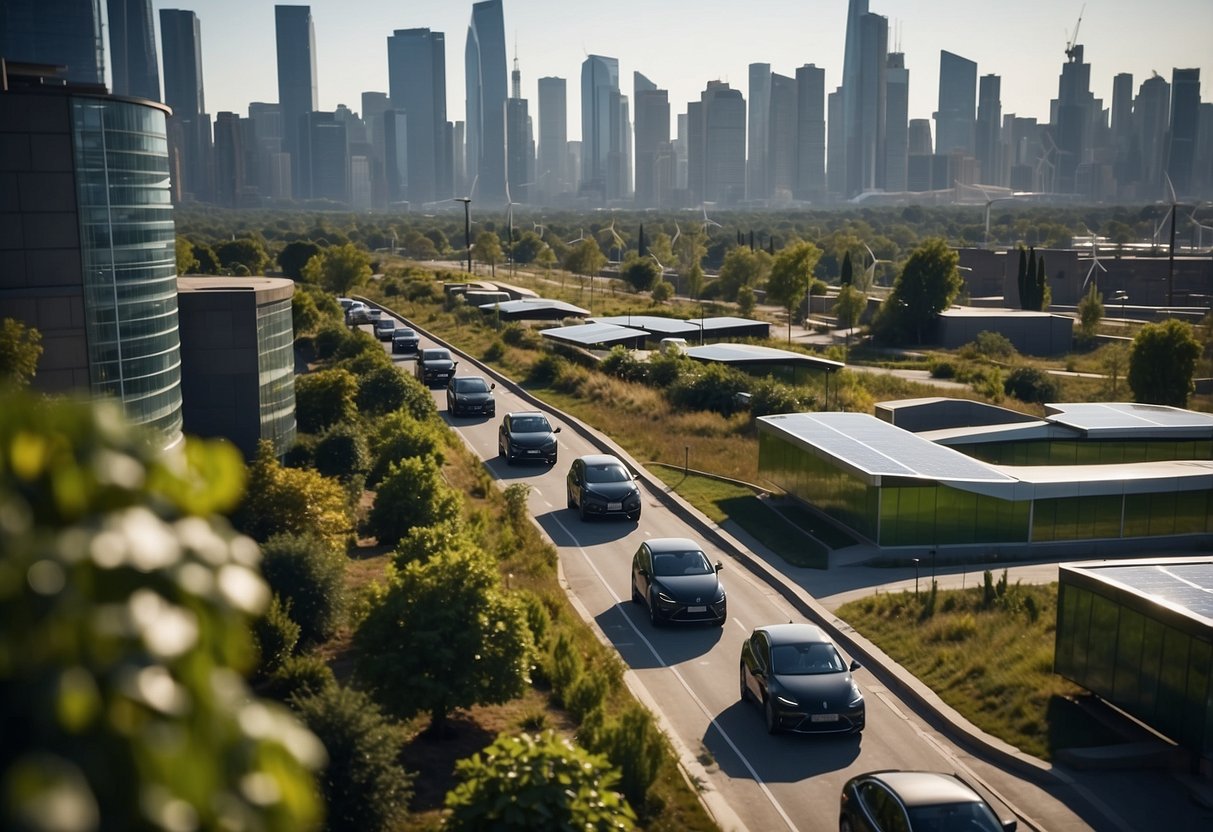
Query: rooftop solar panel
x=1185 y=585
x=742 y=353
x=590 y=334
x=652 y=323
x=1142 y=419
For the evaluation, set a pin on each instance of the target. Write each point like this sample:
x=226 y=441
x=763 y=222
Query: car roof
x=436 y=349
x=405 y=330
x=926 y=788
x=469 y=378
x=601 y=459
x=517 y=413
x=672 y=544
x=794 y=633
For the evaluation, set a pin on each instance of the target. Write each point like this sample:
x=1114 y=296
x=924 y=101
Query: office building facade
x=654 y=154
x=486 y=82
x=297 y=91
x=552 y=172
x=956 y=116
x=189 y=125
x=896 y=122
x=59 y=32
x=602 y=130
x=417 y=88
x=132 y=37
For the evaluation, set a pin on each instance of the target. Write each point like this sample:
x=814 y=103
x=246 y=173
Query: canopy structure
x=596 y=336
x=535 y=309
x=753 y=356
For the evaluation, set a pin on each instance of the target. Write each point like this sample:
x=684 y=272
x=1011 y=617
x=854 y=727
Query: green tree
x=661 y=248
x=1021 y=280
x=341 y=452
x=586 y=259
x=412 y=493
x=640 y=273
x=295 y=256
x=926 y=286
x=487 y=249
x=790 y=276
x=743 y=267
x=847 y=274
x=339 y=268
x=205 y=257
x=1090 y=312
x=243 y=251
x=694 y=278
x=384 y=390
x=364 y=786
x=1163 y=362
x=187 y=263
x=20 y=349
x=445 y=636
x=325 y=398
x=518 y=780
x=528 y=247
x=689 y=250
x=309 y=576
x=305 y=315
x=125 y=636
x=292 y=500
x=1033 y=385
x=849 y=308
x=662 y=291
x=546 y=257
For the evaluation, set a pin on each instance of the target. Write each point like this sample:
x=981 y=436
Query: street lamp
x=915 y=577
x=467 y=228
x=1122 y=296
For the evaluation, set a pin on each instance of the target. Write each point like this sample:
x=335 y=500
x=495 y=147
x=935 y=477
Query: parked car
x=675 y=579
x=470 y=394
x=527 y=435
x=346 y=303
x=434 y=367
x=599 y=485
x=384 y=329
x=405 y=340
x=881 y=801
x=801 y=681
x=357 y=313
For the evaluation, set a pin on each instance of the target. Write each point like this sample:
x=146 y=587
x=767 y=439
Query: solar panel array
x=1185 y=585
x=652 y=323
x=1091 y=416
x=590 y=334
x=729 y=353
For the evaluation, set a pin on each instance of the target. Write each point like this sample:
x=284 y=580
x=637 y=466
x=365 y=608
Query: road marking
x=739 y=624
x=888 y=701
x=682 y=681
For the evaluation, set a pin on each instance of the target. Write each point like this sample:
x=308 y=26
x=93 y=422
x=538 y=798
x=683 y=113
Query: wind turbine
x=708 y=222
x=677 y=234
x=620 y=245
x=870 y=271
x=1200 y=230
x=580 y=237
x=1095 y=264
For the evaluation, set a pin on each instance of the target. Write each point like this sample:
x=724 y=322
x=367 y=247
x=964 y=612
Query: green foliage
x=1029 y=384
x=384 y=390
x=662 y=291
x=926 y=286
x=709 y=387
x=622 y=363
x=421 y=543
x=401 y=436
x=187 y=263
x=325 y=398
x=298 y=676
x=850 y=306
x=743 y=267
x=746 y=300
x=1090 y=312
x=515 y=503
x=942 y=368
x=338 y=268
x=635 y=746
x=364 y=786
x=205 y=257
x=125 y=613
x=295 y=256
x=585 y=258
x=528 y=247
x=769 y=397
x=20 y=349
x=243 y=251
x=546 y=370
x=846 y=275
x=791 y=274
x=306 y=317
x=309 y=577
x=291 y=500
x=1033 y=281
x=992 y=345
x=640 y=273
x=275 y=636
x=531 y=782
x=1163 y=362
x=494 y=351
x=445 y=637
x=341 y=452
x=412 y=493
x=487 y=248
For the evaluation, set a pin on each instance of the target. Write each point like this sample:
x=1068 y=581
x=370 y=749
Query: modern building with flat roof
x=1089 y=477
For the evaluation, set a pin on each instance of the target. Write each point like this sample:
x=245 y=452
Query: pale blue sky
x=680 y=45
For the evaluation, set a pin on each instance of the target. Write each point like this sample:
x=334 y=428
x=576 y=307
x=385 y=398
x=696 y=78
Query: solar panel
x=1185 y=585
x=1128 y=416
x=590 y=334
x=651 y=323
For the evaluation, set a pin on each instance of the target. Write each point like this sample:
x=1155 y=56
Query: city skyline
x=553 y=39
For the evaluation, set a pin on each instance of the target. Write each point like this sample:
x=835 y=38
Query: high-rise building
x=680 y=154
x=781 y=139
x=602 y=136
x=374 y=105
x=717 y=153
x=417 y=88
x=1122 y=131
x=132 y=38
x=956 y=116
x=810 y=133
x=1075 y=113
x=297 y=91
x=396 y=162
x=230 y=180
x=919 y=157
x=552 y=176
x=60 y=32
x=989 y=126
x=1151 y=115
x=1185 y=122
x=896 y=122
x=189 y=126
x=98 y=283
x=485 y=78
x=519 y=155
x=844 y=153
x=836 y=147
x=654 y=154
x=866 y=147
x=757 y=185
x=323 y=158
x=271 y=172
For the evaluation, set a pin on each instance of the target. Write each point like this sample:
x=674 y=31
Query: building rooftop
x=595 y=335
x=1128 y=420
x=754 y=354
x=1183 y=585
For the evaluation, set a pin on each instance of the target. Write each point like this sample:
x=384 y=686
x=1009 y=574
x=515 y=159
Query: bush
x=412 y=493
x=276 y=636
x=990 y=345
x=711 y=387
x=546 y=370
x=635 y=746
x=622 y=363
x=494 y=351
x=517 y=335
x=664 y=370
x=341 y=452
x=421 y=543
x=403 y=437
x=1030 y=384
x=328 y=339
x=309 y=577
x=383 y=390
x=325 y=398
x=768 y=397
x=662 y=291
x=299 y=676
x=943 y=369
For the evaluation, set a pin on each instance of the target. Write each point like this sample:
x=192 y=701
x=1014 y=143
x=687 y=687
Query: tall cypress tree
x=1032 y=302
x=1043 y=294
x=847 y=274
x=641 y=246
x=1022 y=278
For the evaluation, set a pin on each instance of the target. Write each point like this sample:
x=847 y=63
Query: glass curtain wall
x=1088 y=452
x=838 y=493
x=276 y=373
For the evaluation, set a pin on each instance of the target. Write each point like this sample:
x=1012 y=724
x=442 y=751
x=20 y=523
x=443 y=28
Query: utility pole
x=467 y=228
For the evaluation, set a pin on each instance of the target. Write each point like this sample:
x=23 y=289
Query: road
x=690 y=675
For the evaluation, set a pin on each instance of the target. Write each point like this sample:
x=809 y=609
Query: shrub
x=990 y=345
x=299 y=675
x=403 y=437
x=622 y=363
x=412 y=493
x=662 y=291
x=517 y=335
x=634 y=746
x=1030 y=384
x=310 y=578
x=587 y=693
x=275 y=635
x=494 y=351
x=943 y=368
x=383 y=390
x=664 y=370
x=421 y=543
x=567 y=665
x=329 y=338
x=769 y=397
x=546 y=370
x=537 y=617
x=341 y=452
x=711 y=387
x=324 y=398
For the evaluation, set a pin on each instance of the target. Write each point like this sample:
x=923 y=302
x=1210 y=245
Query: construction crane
x=1071 y=49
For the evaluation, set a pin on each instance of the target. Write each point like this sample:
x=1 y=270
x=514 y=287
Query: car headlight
x=787 y=703
x=663 y=598
x=856 y=698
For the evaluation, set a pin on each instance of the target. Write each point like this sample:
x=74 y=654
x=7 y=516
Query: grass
x=992 y=662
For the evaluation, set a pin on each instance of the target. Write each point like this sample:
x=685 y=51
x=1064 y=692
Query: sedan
x=385 y=329
x=470 y=394
x=679 y=584
x=404 y=340
x=357 y=313
x=599 y=485
x=880 y=801
x=798 y=677
x=527 y=435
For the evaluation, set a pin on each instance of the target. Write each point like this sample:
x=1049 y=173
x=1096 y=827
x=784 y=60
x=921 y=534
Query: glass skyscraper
x=485 y=79
x=132 y=38
x=296 y=39
x=61 y=32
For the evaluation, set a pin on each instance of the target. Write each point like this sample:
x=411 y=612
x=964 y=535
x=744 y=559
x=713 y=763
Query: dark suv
x=404 y=340
x=470 y=394
x=527 y=435
x=434 y=367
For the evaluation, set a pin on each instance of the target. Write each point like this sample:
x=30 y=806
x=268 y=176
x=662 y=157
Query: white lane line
x=681 y=680
x=739 y=624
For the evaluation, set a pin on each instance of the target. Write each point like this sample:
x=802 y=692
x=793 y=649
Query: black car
x=599 y=485
x=470 y=394
x=404 y=340
x=679 y=584
x=527 y=435
x=434 y=366
x=881 y=801
x=801 y=681
x=385 y=329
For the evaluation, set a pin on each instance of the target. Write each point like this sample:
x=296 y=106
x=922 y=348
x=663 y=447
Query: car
x=346 y=303
x=679 y=584
x=385 y=329
x=434 y=366
x=599 y=485
x=913 y=801
x=405 y=340
x=800 y=680
x=357 y=313
x=527 y=435
x=470 y=394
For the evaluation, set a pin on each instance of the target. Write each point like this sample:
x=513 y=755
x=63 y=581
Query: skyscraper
x=865 y=149
x=323 y=157
x=836 y=147
x=61 y=32
x=1152 y=114
x=810 y=133
x=781 y=139
x=230 y=140
x=518 y=153
x=485 y=78
x=1075 y=113
x=132 y=37
x=757 y=186
x=1122 y=130
x=989 y=125
x=896 y=122
x=189 y=126
x=846 y=155
x=417 y=87
x=717 y=145
x=602 y=120
x=1185 y=122
x=552 y=173
x=271 y=171
x=956 y=117
x=654 y=155
x=297 y=95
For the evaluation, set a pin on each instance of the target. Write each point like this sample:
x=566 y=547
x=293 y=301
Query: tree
x=309 y=576
x=1163 y=362
x=186 y=261
x=662 y=291
x=694 y=278
x=1021 y=279
x=528 y=247
x=145 y=721
x=244 y=251
x=445 y=636
x=790 y=276
x=412 y=493
x=689 y=251
x=292 y=500
x=1090 y=312
x=1030 y=384
x=20 y=349
x=339 y=268
x=205 y=257
x=743 y=267
x=305 y=315
x=926 y=286
x=294 y=256
x=849 y=308
x=847 y=275
x=384 y=390
x=587 y=260
x=325 y=398
x=746 y=300
x=640 y=273
x=659 y=246
x=546 y=257
x=487 y=249
x=364 y=786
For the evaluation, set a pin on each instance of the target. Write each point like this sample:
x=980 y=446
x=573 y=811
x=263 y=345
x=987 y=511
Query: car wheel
x=844 y=825
x=745 y=691
x=635 y=516
x=768 y=712
x=654 y=618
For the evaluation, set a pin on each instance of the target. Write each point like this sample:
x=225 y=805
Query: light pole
x=467 y=227
x=915 y=577
x=1122 y=296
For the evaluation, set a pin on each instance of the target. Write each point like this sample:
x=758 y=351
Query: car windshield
x=607 y=472
x=471 y=385
x=806 y=659
x=437 y=355
x=385 y=323
x=405 y=333
x=530 y=424
x=954 y=817
x=691 y=562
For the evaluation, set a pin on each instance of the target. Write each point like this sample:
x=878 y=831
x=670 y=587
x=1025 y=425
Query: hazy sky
x=680 y=45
